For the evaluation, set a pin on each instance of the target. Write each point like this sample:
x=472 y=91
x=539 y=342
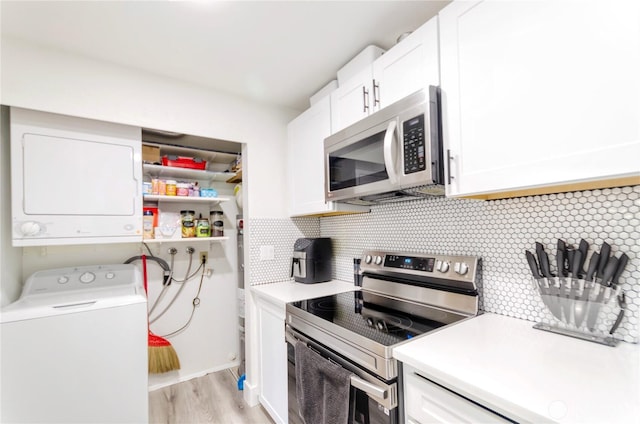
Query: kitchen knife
x=622 y=263
x=593 y=266
x=605 y=250
x=561 y=258
x=576 y=266
x=581 y=306
x=622 y=303
x=583 y=248
x=609 y=270
x=543 y=260
x=533 y=265
x=549 y=301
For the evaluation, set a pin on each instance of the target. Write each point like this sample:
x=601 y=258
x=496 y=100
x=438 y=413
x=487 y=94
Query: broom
x=162 y=356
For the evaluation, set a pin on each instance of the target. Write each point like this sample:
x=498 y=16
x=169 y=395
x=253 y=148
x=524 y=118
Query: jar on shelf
x=147 y=224
x=217 y=225
x=171 y=189
x=188 y=223
x=182 y=189
x=202 y=227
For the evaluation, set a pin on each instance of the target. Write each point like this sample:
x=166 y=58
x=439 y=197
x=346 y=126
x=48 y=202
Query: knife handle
x=570 y=260
x=543 y=260
x=576 y=265
x=561 y=252
x=533 y=265
x=622 y=263
x=605 y=250
x=584 y=248
x=609 y=270
x=593 y=266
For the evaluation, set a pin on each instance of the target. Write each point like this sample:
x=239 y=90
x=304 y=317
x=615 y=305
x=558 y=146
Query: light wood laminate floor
x=214 y=398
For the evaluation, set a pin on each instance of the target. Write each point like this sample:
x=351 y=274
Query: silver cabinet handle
x=376 y=93
x=365 y=99
x=368 y=388
x=449 y=159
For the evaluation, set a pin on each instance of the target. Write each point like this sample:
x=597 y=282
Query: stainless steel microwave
x=392 y=155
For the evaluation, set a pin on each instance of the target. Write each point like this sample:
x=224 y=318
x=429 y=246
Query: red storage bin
x=184 y=162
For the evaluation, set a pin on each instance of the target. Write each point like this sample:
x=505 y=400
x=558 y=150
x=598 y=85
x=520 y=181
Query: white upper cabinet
x=306 y=136
x=540 y=95
x=352 y=100
x=409 y=66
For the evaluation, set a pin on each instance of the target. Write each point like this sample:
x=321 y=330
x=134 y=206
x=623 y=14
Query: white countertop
x=528 y=374
x=290 y=291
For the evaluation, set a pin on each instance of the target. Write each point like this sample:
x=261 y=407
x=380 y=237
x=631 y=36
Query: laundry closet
x=83 y=194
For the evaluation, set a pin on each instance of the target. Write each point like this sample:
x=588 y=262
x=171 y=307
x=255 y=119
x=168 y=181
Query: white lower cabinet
x=273 y=359
x=540 y=94
x=427 y=402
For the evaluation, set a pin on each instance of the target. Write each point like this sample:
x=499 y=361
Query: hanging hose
x=194 y=304
x=182 y=286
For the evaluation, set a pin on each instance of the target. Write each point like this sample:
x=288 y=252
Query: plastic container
x=147 y=224
x=188 y=223
x=146 y=188
x=217 y=225
x=162 y=187
x=171 y=188
x=208 y=192
x=182 y=189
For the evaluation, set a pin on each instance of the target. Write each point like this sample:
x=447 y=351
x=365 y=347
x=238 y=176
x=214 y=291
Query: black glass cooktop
x=385 y=320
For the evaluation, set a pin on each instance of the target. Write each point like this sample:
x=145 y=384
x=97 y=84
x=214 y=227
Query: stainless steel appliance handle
x=357 y=382
x=389 y=144
x=368 y=388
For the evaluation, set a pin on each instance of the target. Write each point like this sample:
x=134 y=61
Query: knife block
x=581 y=309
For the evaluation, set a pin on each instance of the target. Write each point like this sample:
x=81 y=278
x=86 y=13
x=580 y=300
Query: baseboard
x=186 y=377
x=250 y=394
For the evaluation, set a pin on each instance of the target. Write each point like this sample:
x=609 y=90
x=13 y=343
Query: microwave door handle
x=388 y=148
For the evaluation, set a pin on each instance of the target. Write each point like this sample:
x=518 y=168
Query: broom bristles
x=162 y=356
x=163 y=359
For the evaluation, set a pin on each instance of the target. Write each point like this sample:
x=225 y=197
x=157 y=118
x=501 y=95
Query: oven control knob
x=367 y=259
x=444 y=266
x=461 y=268
x=370 y=322
x=380 y=325
x=378 y=260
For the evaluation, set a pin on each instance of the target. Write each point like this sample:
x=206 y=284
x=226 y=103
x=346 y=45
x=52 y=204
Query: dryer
x=74 y=348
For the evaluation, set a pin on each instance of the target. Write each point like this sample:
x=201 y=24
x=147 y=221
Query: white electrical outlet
x=266 y=253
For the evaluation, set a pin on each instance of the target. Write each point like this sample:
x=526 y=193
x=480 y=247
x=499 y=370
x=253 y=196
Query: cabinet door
x=409 y=66
x=536 y=94
x=273 y=360
x=352 y=101
x=306 y=136
x=426 y=402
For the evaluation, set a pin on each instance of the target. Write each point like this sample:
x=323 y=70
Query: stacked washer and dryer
x=74 y=348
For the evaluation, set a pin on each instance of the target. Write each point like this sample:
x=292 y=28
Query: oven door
x=371 y=400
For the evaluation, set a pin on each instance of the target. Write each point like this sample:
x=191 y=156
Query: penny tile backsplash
x=498 y=231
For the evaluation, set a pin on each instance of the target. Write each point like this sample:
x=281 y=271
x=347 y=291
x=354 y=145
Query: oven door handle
x=357 y=382
x=368 y=388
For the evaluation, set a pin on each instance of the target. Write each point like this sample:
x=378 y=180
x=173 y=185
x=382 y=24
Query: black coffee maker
x=311 y=262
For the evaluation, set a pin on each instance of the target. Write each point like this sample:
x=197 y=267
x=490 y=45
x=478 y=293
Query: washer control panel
x=79 y=278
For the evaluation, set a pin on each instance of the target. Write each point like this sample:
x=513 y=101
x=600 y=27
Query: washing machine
x=74 y=348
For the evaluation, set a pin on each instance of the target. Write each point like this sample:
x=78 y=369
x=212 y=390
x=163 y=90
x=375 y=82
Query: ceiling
x=274 y=52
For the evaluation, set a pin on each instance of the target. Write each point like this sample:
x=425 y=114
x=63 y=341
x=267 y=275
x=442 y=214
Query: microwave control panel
x=414 y=145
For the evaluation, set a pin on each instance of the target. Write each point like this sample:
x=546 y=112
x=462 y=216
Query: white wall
x=54 y=81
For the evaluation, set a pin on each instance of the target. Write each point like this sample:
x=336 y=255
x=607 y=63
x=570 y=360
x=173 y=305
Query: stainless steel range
x=403 y=295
